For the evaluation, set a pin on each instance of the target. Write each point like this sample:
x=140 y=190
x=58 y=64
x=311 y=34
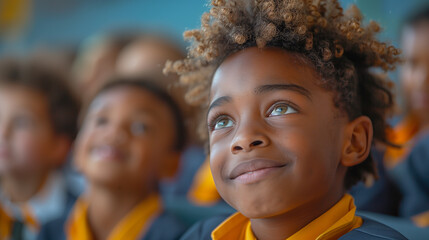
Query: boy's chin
x=260 y=211
x=119 y=182
x=106 y=180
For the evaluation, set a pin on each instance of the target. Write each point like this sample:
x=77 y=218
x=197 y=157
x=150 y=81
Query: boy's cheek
x=19 y=160
x=218 y=159
x=6 y=165
x=30 y=151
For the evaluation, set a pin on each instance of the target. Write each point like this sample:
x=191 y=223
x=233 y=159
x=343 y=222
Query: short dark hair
x=150 y=86
x=418 y=16
x=37 y=76
x=342 y=50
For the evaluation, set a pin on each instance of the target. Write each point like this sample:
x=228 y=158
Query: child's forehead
x=132 y=98
x=267 y=66
x=22 y=93
x=420 y=28
x=20 y=99
x=414 y=41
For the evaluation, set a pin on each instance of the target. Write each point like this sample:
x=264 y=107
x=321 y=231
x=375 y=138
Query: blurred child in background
x=414 y=87
x=410 y=164
x=37 y=127
x=132 y=136
x=402 y=189
x=146 y=56
x=96 y=60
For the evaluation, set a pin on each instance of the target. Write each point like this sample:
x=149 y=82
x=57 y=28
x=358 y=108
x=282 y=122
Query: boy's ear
x=358 y=140
x=169 y=169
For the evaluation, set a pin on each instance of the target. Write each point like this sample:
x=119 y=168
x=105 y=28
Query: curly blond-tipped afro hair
x=342 y=50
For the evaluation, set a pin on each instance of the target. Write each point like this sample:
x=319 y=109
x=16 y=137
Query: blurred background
x=27 y=24
x=91 y=40
x=63 y=27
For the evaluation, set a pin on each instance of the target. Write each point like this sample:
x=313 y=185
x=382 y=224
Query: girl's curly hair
x=342 y=50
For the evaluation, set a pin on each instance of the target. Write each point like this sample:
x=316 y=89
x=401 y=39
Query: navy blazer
x=164 y=227
x=370 y=230
x=413 y=179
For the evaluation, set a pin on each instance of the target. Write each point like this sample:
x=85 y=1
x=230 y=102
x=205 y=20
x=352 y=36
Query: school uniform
x=146 y=221
x=339 y=222
x=414 y=182
x=382 y=195
x=402 y=134
x=203 y=190
x=190 y=161
x=198 y=197
x=23 y=221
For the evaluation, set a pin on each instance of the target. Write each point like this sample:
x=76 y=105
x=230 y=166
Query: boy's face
x=27 y=138
x=127 y=139
x=276 y=137
x=415 y=71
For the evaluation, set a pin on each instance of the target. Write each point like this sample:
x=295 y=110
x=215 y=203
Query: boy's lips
x=107 y=152
x=254 y=167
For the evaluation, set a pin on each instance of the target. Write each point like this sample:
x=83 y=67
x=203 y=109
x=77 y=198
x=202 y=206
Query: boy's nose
x=116 y=133
x=248 y=138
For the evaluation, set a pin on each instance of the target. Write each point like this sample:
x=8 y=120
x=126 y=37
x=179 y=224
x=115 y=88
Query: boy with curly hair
x=292 y=111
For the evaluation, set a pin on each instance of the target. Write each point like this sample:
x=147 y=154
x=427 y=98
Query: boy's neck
x=108 y=206
x=284 y=226
x=20 y=188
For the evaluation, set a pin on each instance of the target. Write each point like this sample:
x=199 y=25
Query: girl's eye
x=282 y=109
x=222 y=123
x=138 y=128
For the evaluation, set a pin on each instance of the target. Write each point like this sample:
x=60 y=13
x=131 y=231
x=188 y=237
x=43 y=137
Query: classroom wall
x=68 y=22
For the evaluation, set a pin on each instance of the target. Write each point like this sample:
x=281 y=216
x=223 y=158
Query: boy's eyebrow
x=145 y=112
x=275 y=87
x=219 y=101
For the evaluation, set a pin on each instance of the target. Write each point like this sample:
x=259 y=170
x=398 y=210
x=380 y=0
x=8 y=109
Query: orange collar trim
x=132 y=226
x=337 y=221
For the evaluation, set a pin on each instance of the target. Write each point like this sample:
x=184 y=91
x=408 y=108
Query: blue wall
x=62 y=22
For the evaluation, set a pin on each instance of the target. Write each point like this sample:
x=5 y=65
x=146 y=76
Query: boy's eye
x=23 y=122
x=282 y=109
x=138 y=128
x=99 y=121
x=223 y=123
